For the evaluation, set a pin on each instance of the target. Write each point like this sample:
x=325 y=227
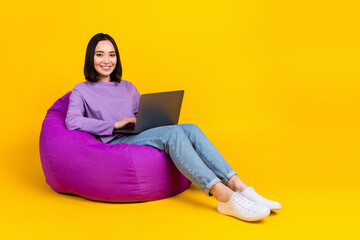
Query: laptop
x=155 y=110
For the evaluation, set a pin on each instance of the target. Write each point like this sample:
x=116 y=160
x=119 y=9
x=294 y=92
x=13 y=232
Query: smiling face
x=104 y=60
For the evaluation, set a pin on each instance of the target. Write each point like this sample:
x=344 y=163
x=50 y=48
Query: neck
x=105 y=79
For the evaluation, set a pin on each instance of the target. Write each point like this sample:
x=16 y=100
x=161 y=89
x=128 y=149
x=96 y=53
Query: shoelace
x=240 y=199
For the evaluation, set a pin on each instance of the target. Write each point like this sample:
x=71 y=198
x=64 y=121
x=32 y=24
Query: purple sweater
x=95 y=107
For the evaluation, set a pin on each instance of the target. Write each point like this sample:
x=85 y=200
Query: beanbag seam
x=136 y=175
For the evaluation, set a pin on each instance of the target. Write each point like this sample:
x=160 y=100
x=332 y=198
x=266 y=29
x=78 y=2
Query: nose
x=106 y=59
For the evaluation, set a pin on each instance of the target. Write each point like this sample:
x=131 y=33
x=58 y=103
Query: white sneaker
x=241 y=207
x=252 y=195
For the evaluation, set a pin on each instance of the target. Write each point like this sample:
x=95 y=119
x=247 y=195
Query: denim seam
x=206 y=157
x=189 y=170
x=203 y=183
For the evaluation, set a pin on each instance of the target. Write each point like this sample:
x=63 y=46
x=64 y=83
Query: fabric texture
x=75 y=162
x=95 y=107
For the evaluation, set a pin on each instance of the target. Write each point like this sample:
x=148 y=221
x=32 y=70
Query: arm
x=75 y=119
x=136 y=100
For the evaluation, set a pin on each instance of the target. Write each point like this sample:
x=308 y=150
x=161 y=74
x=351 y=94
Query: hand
x=124 y=121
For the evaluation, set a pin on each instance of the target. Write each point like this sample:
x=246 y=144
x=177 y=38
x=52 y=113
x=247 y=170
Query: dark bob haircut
x=89 y=70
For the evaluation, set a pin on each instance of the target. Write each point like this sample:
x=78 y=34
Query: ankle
x=221 y=192
x=236 y=184
x=224 y=197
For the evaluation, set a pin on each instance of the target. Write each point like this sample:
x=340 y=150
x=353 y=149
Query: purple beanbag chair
x=75 y=162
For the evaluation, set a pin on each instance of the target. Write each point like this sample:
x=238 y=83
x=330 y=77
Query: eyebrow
x=103 y=51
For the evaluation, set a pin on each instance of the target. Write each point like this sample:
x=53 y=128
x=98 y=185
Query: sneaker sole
x=243 y=218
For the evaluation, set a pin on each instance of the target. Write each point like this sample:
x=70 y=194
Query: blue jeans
x=190 y=150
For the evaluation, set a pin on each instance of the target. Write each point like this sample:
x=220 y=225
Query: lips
x=106 y=67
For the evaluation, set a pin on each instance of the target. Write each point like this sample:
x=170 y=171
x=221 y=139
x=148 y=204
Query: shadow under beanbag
x=75 y=162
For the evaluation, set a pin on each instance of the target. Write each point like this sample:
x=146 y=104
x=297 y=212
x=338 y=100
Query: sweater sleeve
x=136 y=100
x=75 y=119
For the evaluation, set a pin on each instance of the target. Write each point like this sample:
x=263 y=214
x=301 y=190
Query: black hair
x=89 y=70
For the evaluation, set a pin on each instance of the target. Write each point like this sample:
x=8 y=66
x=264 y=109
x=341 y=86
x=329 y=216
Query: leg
x=221 y=192
x=174 y=142
x=211 y=156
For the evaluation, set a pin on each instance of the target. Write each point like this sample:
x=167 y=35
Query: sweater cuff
x=110 y=128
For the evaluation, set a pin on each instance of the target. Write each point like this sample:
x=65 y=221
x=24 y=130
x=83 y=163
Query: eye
x=113 y=55
x=99 y=54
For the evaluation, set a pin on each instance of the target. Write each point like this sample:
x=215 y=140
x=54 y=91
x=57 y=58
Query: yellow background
x=283 y=74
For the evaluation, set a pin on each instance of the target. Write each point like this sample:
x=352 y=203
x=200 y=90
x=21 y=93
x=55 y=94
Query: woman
x=105 y=102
